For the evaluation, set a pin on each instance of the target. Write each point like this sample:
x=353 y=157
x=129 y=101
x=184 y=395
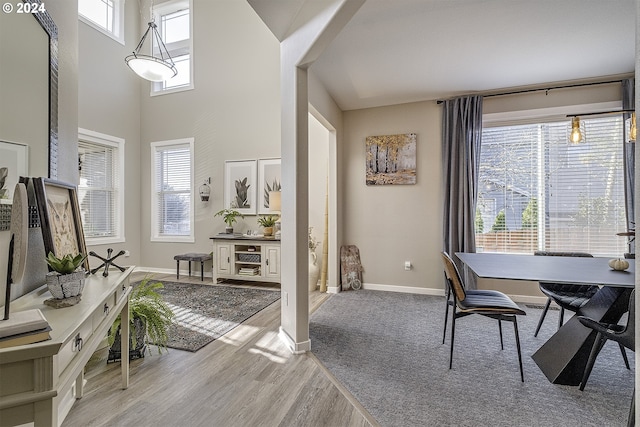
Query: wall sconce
x=205 y=190
x=275 y=205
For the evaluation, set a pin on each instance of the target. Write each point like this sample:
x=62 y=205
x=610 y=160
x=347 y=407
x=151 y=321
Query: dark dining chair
x=490 y=303
x=568 y=296
x=624 y=335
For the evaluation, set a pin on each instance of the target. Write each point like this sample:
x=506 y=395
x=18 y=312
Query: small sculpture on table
x=106 y=262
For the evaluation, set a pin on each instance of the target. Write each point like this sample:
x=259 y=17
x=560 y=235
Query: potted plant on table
x=267 y=222
x=149 y=321
x=230 y=217
x=66 y=281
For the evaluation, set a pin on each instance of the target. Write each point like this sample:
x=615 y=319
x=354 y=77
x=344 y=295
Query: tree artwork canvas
x=391 y=159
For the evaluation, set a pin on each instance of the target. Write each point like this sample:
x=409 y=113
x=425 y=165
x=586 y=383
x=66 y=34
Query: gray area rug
x=386 y=349
x=207 y=312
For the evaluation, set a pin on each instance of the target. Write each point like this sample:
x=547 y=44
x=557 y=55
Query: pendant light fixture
x=577 y=133
x=158 y=66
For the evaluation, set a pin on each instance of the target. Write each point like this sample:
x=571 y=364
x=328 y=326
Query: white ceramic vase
x=314 y=270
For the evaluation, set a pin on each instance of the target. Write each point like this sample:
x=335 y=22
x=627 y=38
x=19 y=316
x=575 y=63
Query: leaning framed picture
x=60 y=218
x=14 y=163
x=240 y=186
x=268 y=180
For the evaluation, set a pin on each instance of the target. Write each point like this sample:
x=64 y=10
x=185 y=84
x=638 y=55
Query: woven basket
x=249 y=257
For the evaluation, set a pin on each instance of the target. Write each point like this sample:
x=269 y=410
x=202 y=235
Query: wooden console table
x=41 y=381
x=246 y=258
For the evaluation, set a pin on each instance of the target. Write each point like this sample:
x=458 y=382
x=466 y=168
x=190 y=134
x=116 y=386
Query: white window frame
x=155 y=215
x=165 y=9
x=119 y=145
x=118 y=22
x=552 y=114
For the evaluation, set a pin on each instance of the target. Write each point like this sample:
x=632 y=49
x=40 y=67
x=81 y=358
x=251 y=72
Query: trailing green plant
x=267 y=221
x=65 y=265
x=229 y=216
x=146 y=304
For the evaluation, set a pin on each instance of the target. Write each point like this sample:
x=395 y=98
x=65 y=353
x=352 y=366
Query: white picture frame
x=14 y=157
x=269 y=179
x=240 y=176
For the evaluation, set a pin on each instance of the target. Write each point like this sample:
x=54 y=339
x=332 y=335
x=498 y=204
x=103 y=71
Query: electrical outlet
x=407 y=265
x=127 y=253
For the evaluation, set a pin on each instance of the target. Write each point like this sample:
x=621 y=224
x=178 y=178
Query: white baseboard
x=294 y=347
x=185 y=273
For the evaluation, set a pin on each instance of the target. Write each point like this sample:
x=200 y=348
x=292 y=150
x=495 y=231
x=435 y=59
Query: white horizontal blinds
x=173 y=189
x=539 y=192
x=97 y=191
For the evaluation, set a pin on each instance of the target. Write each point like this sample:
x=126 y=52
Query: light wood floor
x=246 y=378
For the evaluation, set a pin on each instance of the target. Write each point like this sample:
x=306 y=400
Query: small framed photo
x=268 y=180
x=240 y=186
x=14 y=163
x=60 y=218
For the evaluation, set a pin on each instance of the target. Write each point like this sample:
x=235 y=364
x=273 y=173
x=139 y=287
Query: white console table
x=257 y=257
x=41 y=381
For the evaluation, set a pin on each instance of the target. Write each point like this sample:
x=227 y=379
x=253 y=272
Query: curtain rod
x=546 y=89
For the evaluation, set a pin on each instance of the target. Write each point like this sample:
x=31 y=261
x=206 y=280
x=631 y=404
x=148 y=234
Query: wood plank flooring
x=246 y=378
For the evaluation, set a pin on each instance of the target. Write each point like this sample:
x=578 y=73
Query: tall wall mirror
x=28 y=119
x=28 y=97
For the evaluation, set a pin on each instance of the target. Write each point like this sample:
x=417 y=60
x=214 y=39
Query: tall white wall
x=233 y=113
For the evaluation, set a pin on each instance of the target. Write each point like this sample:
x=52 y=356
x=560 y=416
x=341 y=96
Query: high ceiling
x=397 y=51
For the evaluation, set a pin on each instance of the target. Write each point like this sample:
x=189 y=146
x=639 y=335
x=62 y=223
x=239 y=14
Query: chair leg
x=561 y=318
x=501 y=340
x=597 y=346
x=453 y=335
x=515 y=327
x=446 y=314
x=544 y=313
x=177 y=270
x=624 y=356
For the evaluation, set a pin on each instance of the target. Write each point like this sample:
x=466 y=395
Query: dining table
x=563 y=357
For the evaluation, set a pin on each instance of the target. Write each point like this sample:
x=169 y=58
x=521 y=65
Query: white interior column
x=297 y=52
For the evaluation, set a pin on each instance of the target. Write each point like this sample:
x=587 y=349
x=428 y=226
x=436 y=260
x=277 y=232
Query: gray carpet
x=206 y=312
x=386 y=348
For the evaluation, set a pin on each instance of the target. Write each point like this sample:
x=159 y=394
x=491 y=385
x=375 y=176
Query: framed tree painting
x=14 y=163
x=391 y=159
x=240 y=186
x=268 y=180
x=60 y=218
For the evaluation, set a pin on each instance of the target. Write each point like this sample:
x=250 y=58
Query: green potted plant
x=267 y=222
x=230 y=217
x=149 y=320
x=67 y=278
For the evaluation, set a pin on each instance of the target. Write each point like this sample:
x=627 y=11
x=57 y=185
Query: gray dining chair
x=489 y=303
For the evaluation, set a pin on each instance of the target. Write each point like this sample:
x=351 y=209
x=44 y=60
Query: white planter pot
x=64 y=286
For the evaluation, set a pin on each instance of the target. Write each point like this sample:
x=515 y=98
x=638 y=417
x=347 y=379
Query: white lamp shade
x=150 y=68
x=275 y=201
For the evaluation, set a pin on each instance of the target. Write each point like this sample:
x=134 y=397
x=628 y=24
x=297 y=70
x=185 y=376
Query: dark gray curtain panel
x=629 y=102
x=461 y=135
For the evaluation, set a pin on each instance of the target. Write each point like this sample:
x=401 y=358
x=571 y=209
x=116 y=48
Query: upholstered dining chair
x=568 y=296
x=624 y=335
x=488 y=303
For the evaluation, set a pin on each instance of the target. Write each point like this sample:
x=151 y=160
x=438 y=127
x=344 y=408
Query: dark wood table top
x=559 y=269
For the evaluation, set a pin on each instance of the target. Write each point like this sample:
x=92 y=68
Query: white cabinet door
x=271 y=257
x=224 y=258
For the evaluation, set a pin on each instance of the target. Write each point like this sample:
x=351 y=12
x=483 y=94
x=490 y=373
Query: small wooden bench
x=192 y=257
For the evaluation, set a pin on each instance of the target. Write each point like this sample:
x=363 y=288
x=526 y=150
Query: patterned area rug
x=205 y=312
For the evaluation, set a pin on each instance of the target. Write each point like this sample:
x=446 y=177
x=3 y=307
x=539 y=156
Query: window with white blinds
x=537 y=191
x=172 y=197
x=100 y=162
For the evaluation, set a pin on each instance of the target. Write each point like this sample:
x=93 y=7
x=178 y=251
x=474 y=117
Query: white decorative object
x=314 y=270
x=64 y=286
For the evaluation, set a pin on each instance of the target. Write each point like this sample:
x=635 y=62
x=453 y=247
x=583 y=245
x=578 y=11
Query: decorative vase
x=63 y=286
x=137 y=344
x=228 y=230
x=268 y=231
x=314 y=270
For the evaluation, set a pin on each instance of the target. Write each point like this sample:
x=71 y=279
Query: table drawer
x=74 y=346
x=101 y=313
